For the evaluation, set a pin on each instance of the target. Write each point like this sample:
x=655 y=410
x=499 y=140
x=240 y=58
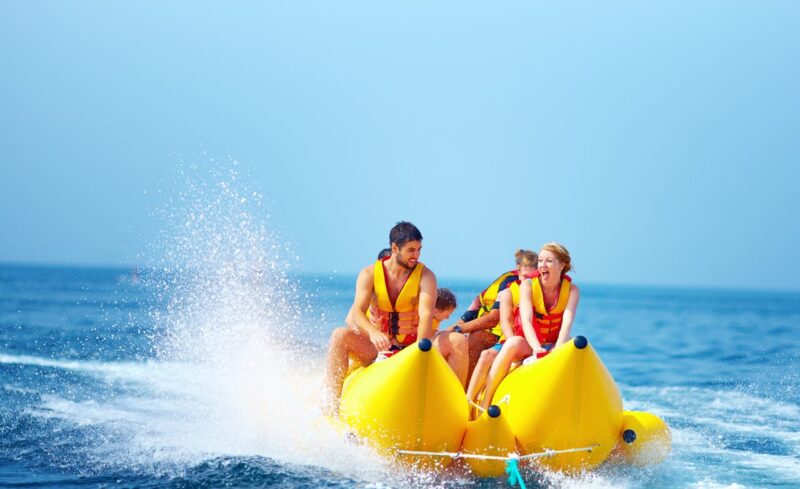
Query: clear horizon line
x=353 y=274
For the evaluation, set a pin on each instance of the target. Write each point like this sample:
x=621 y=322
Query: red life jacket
x=546 y=323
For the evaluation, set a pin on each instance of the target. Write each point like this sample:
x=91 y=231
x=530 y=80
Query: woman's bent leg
x=513 y=350
x=479 y=341
x=478 y=379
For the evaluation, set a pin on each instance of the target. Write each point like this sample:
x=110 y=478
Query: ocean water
x=175 y=378
x=205 y=368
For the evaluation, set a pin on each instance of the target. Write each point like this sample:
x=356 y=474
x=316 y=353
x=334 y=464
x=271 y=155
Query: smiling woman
x=547 y=305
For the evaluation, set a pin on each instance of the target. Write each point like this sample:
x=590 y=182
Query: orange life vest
x=546 y=323
x=399 y=320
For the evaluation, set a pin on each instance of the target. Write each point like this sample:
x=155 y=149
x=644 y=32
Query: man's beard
x=403 y=264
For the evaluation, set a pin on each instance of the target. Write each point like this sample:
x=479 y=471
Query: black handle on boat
x=425 y=344
x=629 y=436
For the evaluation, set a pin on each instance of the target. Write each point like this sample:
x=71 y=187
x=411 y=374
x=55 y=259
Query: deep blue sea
x=183 y=378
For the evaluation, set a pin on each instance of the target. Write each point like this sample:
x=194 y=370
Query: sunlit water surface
x=205 y=371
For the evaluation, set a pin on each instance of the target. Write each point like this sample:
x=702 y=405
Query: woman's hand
x=538 y=350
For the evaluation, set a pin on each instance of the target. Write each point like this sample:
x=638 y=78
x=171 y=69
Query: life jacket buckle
x=394 y=323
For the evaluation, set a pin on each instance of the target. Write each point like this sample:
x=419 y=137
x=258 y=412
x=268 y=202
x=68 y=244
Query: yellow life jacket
x=513 y=289
x=488 y=297
x=399 y=320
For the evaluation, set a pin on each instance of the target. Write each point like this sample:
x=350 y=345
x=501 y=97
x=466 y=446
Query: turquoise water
x=186 y=379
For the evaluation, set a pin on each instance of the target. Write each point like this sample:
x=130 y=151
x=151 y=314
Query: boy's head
x=445 y=304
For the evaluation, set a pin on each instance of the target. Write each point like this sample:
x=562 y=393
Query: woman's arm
x=506 y=313
x=526 y=315
x=569 y=316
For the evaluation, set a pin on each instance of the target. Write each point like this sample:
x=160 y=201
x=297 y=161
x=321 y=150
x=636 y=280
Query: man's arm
x=427 y=301
x=357 y=316
x=488 y=320
x=471 y=313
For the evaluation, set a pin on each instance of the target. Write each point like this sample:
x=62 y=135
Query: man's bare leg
x=344 y=342
x=453 y=347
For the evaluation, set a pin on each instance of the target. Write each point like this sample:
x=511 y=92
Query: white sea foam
x=54 y=363
x=718 y=415
x=184 y=414
x=710 y=484
x=234 y=315
x=592 y=480
x=232 y=375
x=711 y=400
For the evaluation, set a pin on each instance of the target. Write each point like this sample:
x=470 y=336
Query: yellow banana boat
x=563 y=411
x=411 y=401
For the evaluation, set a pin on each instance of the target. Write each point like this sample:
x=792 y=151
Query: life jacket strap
x=547 y=317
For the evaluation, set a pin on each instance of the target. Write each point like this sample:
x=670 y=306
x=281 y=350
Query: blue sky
x=657 y=140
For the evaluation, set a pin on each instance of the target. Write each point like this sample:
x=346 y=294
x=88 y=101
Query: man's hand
x=452 y=329
x=379 y=340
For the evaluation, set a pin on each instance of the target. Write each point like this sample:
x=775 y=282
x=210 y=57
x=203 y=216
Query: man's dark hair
x=384 y=253
x=445 y=299
x=403 y=232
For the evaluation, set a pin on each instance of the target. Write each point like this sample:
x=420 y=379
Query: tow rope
x=512 y=460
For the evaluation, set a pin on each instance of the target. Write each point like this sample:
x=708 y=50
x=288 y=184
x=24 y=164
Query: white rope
x=456 y=455
x=476 y=406
x=453 y=455
x=549 y=453
x=504 y=400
